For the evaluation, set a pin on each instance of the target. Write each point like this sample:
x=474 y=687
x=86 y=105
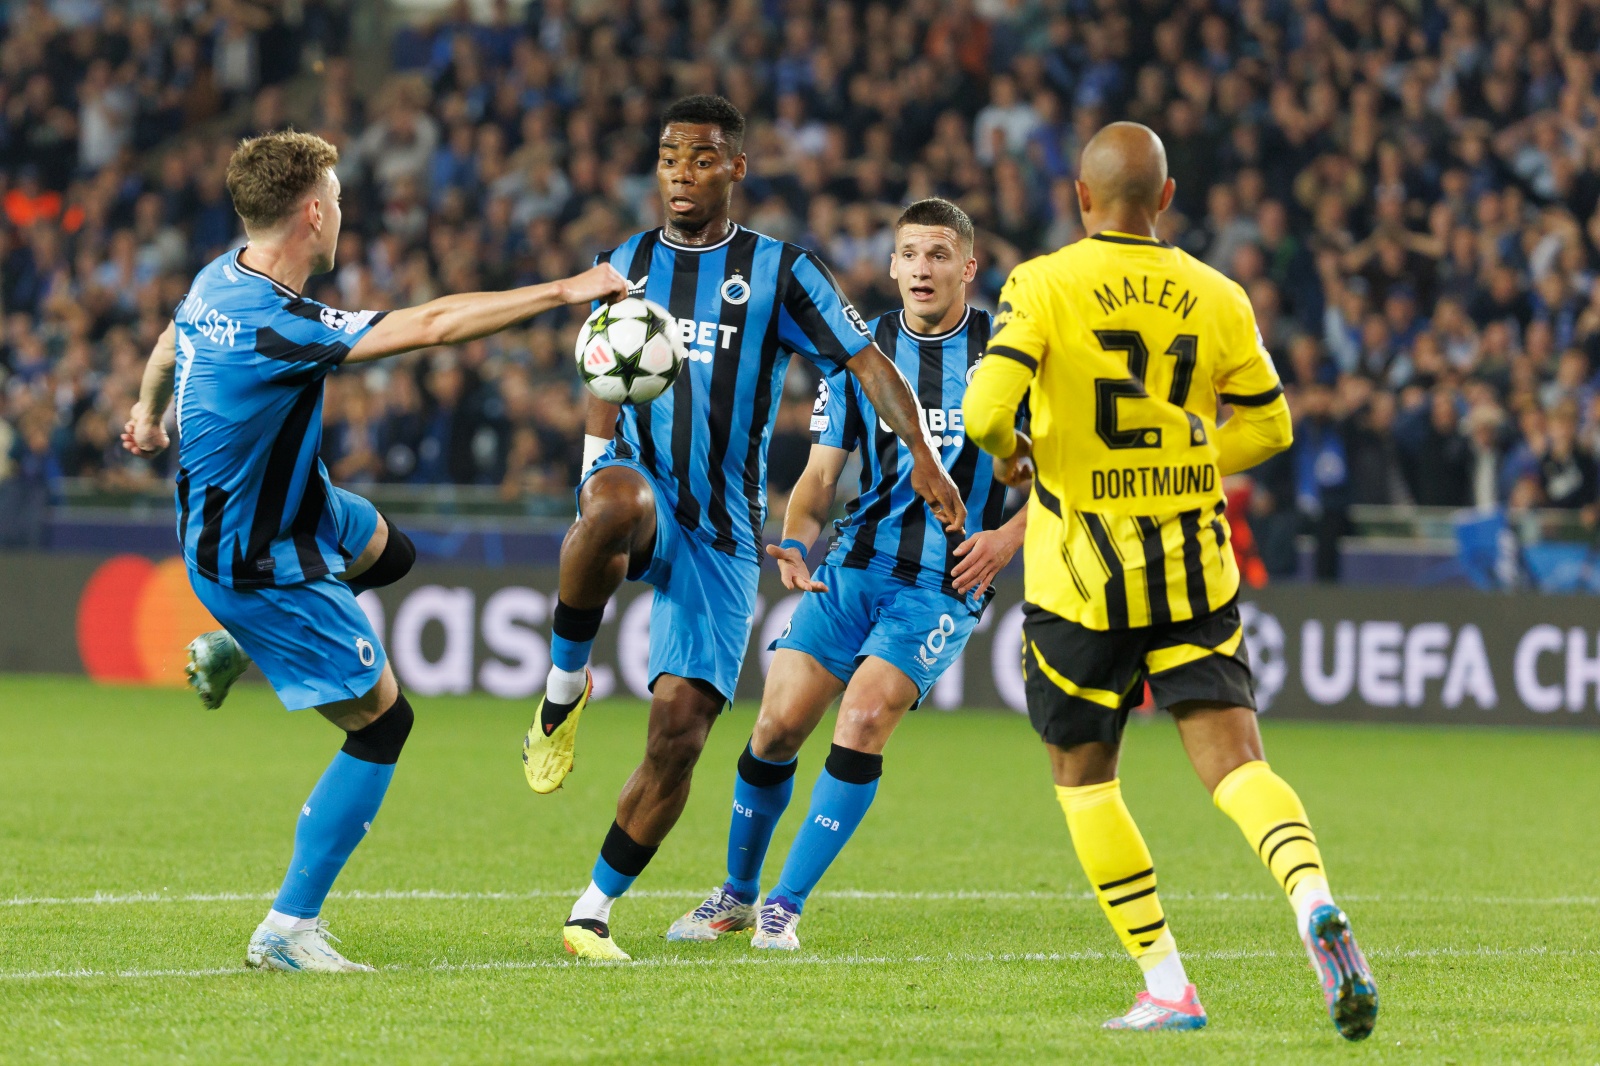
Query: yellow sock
x=1275 y=823
x=1122 y=875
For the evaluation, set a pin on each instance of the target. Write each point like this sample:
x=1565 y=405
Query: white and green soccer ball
x=630 y=351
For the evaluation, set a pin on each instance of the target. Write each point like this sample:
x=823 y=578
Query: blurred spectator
x=1407 y=194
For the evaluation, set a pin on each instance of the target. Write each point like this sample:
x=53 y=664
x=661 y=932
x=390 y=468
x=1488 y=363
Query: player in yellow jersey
x=1126 y=348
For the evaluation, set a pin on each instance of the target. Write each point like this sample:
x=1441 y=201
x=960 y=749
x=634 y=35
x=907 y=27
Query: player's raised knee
x=615 y=502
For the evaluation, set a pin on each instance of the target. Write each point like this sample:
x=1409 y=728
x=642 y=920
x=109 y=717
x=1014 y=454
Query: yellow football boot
x=547 y=753
x=590 y=939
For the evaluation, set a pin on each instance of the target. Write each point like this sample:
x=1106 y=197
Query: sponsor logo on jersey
x=854 y=316
x=705 y=335
x=636 y=288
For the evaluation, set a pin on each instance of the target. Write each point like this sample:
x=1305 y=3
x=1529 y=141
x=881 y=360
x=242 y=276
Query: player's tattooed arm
x=144 y=434
x=810 y=503
x=466 y=316
x=897 y=405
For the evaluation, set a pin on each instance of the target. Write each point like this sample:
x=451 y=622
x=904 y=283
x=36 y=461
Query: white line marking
x=795 y=960
x=866 y=895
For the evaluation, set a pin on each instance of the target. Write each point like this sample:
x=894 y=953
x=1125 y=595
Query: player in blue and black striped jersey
x=274 y=551
x=677 y=497
x=895 y=602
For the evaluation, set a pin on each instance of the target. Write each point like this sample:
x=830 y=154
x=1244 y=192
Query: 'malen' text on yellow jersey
x=1126 y=347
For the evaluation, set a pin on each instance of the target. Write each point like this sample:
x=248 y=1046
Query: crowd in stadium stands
x=1407 y=192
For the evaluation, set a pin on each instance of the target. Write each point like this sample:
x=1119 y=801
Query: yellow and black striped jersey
x=1128 y=346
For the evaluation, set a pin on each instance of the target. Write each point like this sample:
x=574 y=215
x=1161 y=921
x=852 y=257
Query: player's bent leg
x=333 y=821
x=798 y=692
x=1224 y=745
x=873 y=705
x=682 y=712
x=1122 y=875
x=388 y=557
x=613 y=537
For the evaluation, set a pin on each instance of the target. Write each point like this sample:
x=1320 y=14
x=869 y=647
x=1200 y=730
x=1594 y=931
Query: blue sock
x=621 y=861
x=569 y=654
x=839 y=800
x=761 y=792
x=333 y=821
x=573 y=637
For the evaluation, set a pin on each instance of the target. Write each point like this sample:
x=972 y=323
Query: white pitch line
x=865 y=895
x=792 y=960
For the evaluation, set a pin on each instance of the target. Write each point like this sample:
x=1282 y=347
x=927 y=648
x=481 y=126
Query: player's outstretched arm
x=467 y=316
x=809 y=505
x=897 y=405
x=144 y=434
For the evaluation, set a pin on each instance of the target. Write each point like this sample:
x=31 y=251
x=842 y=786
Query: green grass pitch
x=141 y=838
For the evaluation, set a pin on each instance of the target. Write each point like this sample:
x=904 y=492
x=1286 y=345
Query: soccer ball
x=630 y=351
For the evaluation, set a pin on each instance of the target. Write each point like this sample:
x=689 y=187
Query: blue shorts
x=355 y=518
x=312 y=641
x=918 y=631
x=705 y=601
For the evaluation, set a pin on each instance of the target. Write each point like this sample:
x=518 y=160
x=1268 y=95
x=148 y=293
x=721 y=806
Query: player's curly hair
x=936 y=211
x=269 y=175
x=708 y=110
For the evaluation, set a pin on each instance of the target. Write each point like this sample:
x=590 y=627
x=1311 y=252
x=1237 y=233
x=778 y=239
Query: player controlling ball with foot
x=892 y=607
x=677 y=496
x=274 y=551
x=1126 y=347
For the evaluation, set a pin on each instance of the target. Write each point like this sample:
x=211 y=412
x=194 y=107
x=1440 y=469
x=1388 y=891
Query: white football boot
x=215 y=662
x=298 y=951
x=720 y=913
x=775 y=928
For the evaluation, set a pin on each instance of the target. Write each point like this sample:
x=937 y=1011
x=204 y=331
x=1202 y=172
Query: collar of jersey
x=1115 y=237
x=905 y=327
x=280 y=286
x=698 y=247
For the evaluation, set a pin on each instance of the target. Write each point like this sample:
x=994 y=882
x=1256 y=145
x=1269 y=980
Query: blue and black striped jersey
x=254 y=507
x=887 y=528
x=745 y=306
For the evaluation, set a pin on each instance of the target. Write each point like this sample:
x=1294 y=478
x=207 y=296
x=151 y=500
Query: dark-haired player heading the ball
x=677 y=496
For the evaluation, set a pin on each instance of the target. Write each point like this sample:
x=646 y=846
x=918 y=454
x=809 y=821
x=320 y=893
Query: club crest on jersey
x=973 y=369
x=735 y=290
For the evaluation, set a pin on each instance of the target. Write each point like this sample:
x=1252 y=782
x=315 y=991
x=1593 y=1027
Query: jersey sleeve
x=1020 y=324
x=834 y=417
x=305 y=340
x=1244 y=374
x=1244 y=377
x=816 y=321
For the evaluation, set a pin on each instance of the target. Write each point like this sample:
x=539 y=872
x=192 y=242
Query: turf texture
x=142 y=837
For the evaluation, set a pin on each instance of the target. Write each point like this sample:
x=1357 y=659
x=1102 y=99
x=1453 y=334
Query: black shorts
x=1081 y=683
